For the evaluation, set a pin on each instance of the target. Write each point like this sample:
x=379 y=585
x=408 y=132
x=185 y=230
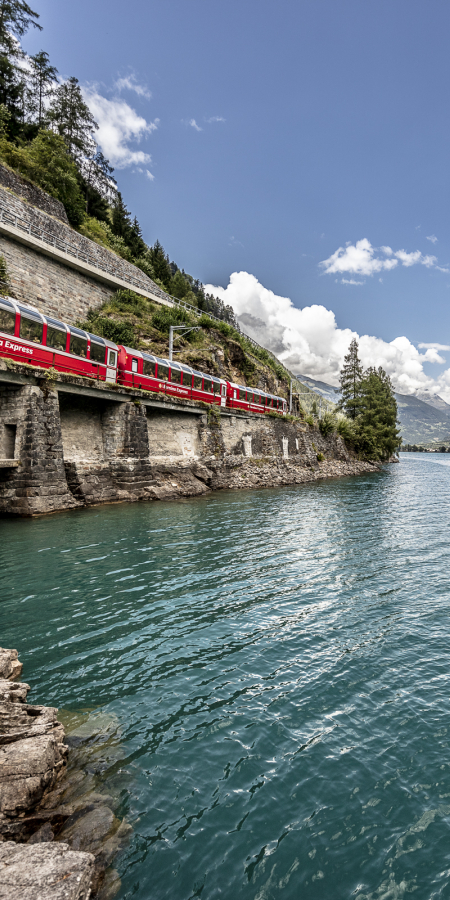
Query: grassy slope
x=215 y=348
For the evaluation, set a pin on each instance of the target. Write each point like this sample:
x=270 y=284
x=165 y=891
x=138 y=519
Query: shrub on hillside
x=327 y=424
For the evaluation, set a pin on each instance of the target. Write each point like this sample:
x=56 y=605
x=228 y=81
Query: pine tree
x=11 y=93
x=377 y=436
x=71 y=117
x=161 y=265
x=121 y=220
x=41 y=85
x=179 y=286
x=350 y=380
x=16 y=17
x=98 y=179
x=135 y=241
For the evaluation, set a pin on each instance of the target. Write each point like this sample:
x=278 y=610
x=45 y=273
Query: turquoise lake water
x=278 y=665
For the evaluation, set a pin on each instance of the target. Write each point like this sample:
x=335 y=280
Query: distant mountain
x=434 y=400
x=421 y=420
x=320 y=387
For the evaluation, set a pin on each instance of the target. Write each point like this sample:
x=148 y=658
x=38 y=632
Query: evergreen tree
x=179 y=286
x=41 y=85
x=97 y=175
x=377 y=436
x=16 y=17
x=11 y=93
x=160 y=264
x=135 y=241
x=71 y=117
x=121 y=220
x=350 y=380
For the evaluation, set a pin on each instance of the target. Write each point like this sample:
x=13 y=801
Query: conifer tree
x=41 y=85
x=16 y=17
x=98 y=179
x=71 y=117
x=161 y=265
x=350 y=380
x=136 y=242
x=377 y=436
x=121 y=220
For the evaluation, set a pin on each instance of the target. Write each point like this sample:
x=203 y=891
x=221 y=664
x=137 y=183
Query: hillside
x=213 y=347
x=434 y=400
x=421 y=423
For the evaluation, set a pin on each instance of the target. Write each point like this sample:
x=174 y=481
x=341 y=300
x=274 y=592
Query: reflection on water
x=273 y=666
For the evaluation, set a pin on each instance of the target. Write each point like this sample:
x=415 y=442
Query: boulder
x=44 y=872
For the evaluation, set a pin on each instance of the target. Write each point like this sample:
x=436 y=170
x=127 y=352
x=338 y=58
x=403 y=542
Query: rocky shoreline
x=58 y=833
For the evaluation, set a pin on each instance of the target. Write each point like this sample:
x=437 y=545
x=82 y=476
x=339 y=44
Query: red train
x=29 y=337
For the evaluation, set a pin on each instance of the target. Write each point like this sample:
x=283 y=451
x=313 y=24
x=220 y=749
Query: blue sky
x=278 y=133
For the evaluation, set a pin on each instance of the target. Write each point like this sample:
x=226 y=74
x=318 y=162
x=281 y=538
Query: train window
x=149 y=368
x=97 y=352
x=241 y=394
x=187 y=379
x=31 y=329
x=207 y=385
x=7 y=320
x=175 y=376
x=56 y=339
x=250 y=396
x=134 y=365
x=163 y=372
x=198 y=379
x=78 y=345
x=112 y=358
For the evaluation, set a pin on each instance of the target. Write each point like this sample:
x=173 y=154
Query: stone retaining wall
x=32 y=194
x=54 y=288
x=54 y=284
x=76 y=450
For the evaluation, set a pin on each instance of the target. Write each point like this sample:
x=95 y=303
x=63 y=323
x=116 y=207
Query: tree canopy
x=350 y=381
x=368 y=400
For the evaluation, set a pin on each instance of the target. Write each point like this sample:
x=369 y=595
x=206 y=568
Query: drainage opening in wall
x=8 y=442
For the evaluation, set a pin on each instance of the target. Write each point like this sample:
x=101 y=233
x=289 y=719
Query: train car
x=254 y=400
x=29 y=337
x=150 y=373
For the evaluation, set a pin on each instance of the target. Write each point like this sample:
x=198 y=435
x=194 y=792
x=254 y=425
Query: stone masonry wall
x=32 y=194
x=39 y=483
x=52 y=286
x=49 y=285
x=174 y=435
x=76 y=450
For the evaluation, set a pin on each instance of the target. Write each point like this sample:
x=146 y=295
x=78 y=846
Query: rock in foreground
x=44 y=872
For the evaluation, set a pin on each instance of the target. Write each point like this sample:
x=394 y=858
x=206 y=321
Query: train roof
x=34 y=313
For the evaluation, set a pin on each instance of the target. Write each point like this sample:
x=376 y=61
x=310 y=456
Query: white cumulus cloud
x=362 y=258
x=434 y=346
x=215 y=119
x=119 y=125
x=129 y=83
x=310 y=342
x=432 y=238
x=194 y=125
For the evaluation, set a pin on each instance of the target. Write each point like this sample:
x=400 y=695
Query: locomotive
x=27 y=336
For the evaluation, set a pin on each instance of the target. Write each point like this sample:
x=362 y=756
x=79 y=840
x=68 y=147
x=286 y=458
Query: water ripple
x=278 y=663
